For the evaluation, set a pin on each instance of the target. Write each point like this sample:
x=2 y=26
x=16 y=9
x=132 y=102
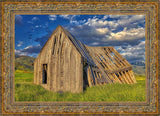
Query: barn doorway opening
x=44 y=75
x=85 y=80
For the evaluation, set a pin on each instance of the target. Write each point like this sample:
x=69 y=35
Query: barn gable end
x=64 y=67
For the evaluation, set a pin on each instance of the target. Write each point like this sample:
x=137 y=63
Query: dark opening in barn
x=85 y=80
x=44 y=80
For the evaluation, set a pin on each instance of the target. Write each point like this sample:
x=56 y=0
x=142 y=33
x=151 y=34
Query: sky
x=126 y=33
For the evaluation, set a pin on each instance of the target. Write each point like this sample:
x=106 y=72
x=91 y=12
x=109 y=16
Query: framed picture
x=79 y=57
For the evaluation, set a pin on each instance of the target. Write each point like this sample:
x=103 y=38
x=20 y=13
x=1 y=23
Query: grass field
x=25 y=90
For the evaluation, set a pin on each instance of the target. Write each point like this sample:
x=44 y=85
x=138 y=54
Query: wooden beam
x=89 y=76
x=100 y=67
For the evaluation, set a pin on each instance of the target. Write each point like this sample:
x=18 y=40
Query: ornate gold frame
x=149 y=9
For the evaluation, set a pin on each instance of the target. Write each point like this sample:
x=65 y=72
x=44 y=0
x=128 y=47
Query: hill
x=24 y=63
x=138 y=70
x=138 y=63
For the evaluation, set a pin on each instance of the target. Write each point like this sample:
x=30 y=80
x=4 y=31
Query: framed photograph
x=79 y=57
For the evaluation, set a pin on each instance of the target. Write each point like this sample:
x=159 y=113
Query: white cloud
x=29 y=50
x=72 y=19
x=102 y=30
x=82 y=21
x=94 y=43
x=35 y=18
x=96 y=22
x=131 y=34
x=68 y=16
x=128 y=20
x=114 y=16
x=74 y=22
x=105 y=17
x=132 y=53
x=37 y=26
x=52 y=17
x=123 y=20
x=18 y=52
x=20 y=43
x=65 y=16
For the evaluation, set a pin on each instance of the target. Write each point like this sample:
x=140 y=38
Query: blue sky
x=126 y=33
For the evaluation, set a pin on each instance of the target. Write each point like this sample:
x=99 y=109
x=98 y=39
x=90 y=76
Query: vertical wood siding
x=64 y=71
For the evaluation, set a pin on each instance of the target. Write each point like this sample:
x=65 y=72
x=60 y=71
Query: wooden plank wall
x=65 y=70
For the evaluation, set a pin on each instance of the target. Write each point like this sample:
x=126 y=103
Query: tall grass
x=25 y=90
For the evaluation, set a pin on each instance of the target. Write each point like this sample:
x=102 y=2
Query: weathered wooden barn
x=65 y=64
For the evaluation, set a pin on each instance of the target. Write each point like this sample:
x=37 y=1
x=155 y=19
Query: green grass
x=25 y=90
x=23 y=77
